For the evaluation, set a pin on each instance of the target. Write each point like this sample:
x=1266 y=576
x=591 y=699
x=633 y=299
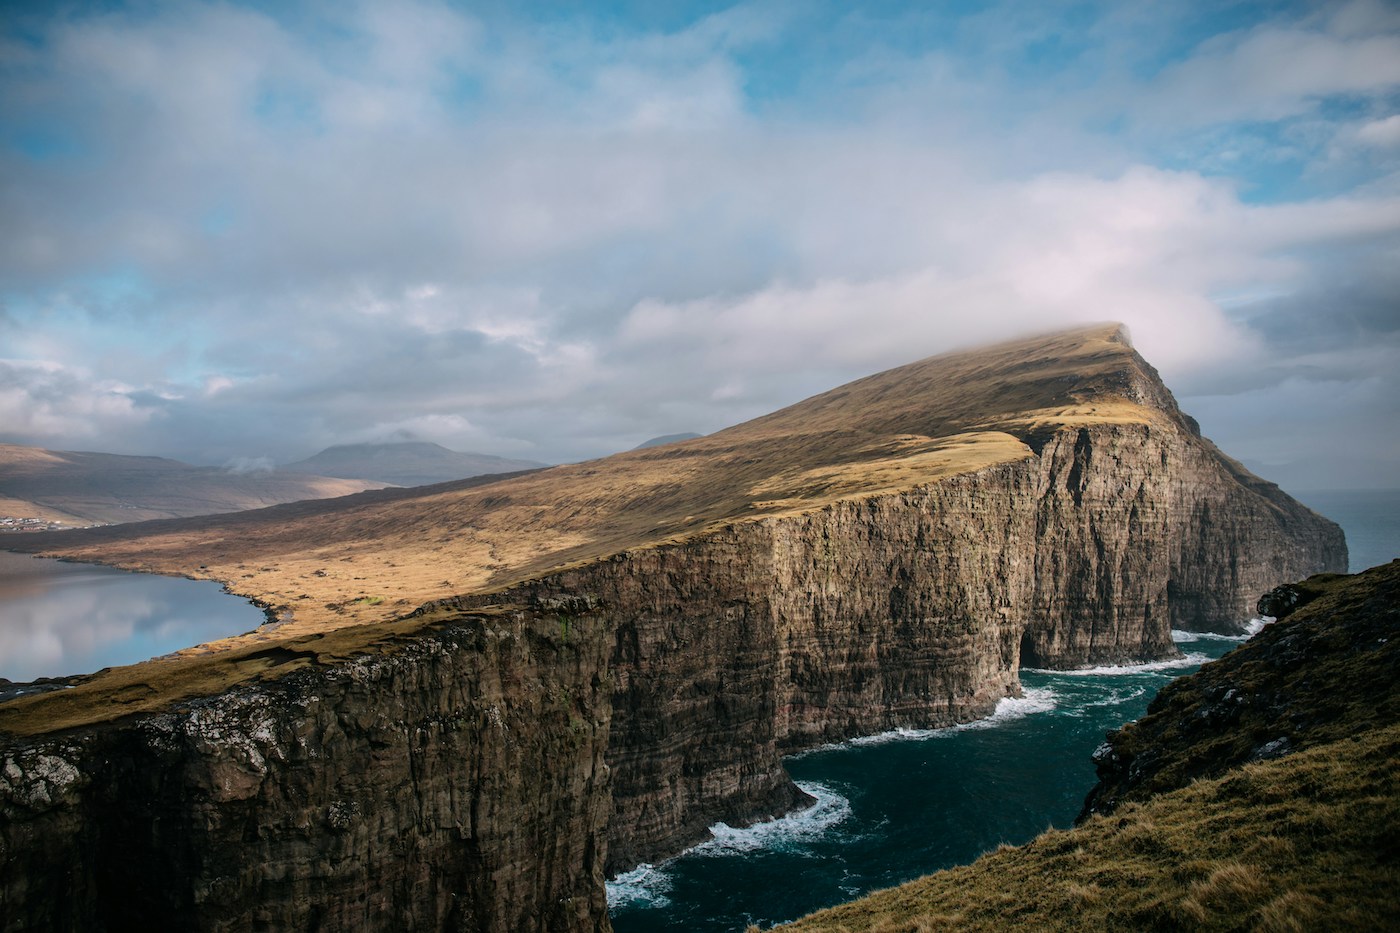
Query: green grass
x=152 y=686
x=1306 y=842
x=1205 y=837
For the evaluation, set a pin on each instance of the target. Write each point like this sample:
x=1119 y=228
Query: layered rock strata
x=919 y=536
x=456 y=784
x=913 y=609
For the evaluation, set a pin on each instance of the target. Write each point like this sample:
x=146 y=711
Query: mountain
x=514 y=684
x=1259 y=793
x=665 y=439
x=81 y=488
x=410 y=463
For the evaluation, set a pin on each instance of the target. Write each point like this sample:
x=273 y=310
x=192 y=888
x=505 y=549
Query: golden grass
x=1326 y=855
x=377 y=556
x=158 y=684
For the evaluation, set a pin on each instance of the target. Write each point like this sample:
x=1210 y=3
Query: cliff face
x=1259 y=793
x=914 y=609
x=404 y=792
x=1328 y=672
x=885 y=555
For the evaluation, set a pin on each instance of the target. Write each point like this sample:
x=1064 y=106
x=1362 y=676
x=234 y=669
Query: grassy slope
x=1329 y=670
x=895 y=430
x=375 y=557
x=1308 y=841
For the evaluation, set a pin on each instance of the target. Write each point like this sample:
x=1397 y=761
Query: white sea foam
x=1255 y=626
x=645 y=885
x=1032 y=700
x=796 y=827
x=1115 y=697
x=1114 y=670
x=649 y=885
x=1186 y=638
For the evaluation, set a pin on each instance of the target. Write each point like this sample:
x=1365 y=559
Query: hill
x=481 y=696
x=665 y=439
x=410 y=463
x=82 y=488
x=1259 y=793
x=379 y=556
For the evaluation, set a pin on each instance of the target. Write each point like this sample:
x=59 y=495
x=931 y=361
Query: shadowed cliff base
x=1261 y=793
x=876 y=557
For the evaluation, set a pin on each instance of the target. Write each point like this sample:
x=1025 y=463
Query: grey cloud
x=605 y=244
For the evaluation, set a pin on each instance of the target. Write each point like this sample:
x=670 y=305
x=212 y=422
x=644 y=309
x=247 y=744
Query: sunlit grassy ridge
x=911 y=425
x=376 y=557
x=1308 y=841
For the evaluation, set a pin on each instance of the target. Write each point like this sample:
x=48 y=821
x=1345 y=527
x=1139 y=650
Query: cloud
x=48 y=402
x=271 y=229
x=241 y=466
x=1381 y=134
x=1273 y=71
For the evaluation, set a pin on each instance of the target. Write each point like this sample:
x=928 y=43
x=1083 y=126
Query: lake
x=59 y=618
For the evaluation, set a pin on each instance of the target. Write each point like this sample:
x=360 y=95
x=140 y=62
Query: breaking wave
x=1116 y=697
x=643 y=886
x=1114 y=670
x=1032 y=700
x=784 y=832
x=649 y=885
x=1185 y=638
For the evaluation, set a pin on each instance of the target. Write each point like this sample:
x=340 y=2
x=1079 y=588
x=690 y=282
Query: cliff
x=1328 y=672
x=1259 y=793
x=403 y=790
x=886 y=554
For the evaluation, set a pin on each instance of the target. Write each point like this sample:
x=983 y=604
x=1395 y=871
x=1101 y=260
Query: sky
x=236 y=233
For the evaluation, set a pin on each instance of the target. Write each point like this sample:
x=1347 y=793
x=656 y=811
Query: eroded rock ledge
x=484 y=773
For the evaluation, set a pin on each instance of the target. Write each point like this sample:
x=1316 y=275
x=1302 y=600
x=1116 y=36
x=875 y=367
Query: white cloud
x=1268 y=73
x=46 y=401
x=1381 y=134
x=555 y=242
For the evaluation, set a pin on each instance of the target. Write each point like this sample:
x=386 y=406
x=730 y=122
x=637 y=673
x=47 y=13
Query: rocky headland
x=611 y=656
x=1261 y=793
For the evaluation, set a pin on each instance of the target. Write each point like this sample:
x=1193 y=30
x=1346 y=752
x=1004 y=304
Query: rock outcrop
x=457 y=783
x=1329 y=671
x=887 y=554
x=1259 y=793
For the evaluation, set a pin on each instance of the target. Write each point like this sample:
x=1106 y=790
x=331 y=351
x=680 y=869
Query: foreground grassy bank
x=1305 y=841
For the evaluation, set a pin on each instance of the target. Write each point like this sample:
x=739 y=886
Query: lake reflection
x=59 y=618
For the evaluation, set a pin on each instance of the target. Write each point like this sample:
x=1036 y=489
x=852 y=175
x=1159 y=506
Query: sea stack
x=491 y=692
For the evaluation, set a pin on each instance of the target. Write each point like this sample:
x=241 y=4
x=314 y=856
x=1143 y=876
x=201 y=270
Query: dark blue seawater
x=894 y=807
x=58 y=618
x=897 y=806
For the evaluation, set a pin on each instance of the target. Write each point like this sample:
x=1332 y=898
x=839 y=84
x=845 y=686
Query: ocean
x=896 y=806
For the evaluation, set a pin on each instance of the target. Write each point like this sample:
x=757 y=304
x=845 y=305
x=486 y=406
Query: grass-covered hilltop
x=474 y=701
x=1262 y=793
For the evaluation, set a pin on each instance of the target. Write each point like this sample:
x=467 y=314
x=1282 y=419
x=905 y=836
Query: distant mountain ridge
x=84 y=487
x=616 y=654
x=665 y=439
x=406 y=463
